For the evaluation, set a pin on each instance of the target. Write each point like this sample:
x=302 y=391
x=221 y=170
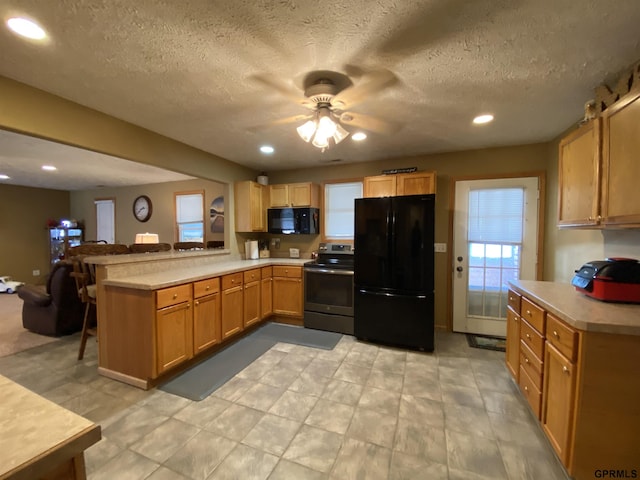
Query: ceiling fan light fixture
x=307 y=130
x=340 y=134
x=320 y=141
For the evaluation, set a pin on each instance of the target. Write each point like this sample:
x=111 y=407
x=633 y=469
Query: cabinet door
x=579 y=176
x=174 y=336
x=278 y=196
x=250 y=207
x=266 y=297
x=232 y=313
x=287 y=296
x=620 y=201
x=251 y=302
x=512 y=356
x=416 y=183
x=206 y=322
x=380 y=186
x=558 y=400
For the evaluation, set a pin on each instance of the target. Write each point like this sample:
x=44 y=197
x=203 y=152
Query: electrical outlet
x=36 y=273
x=440 y=247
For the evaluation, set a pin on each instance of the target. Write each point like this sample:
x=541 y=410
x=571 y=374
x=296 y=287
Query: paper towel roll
x=251 y=250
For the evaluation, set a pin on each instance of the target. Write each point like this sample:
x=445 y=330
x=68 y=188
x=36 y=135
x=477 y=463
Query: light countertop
x=37 y=433
x=580 y=311
x=172 y=277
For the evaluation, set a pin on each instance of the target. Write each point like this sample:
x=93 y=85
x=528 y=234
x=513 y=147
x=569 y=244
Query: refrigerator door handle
x=387 y=294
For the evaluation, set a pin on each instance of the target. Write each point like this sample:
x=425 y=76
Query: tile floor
x=358 y=411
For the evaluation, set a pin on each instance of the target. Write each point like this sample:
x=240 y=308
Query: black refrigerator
x=393 y=268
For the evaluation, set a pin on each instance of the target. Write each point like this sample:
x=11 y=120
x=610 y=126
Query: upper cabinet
x=621 y=162
x=294 y=195
x=250 y=207
x=416 y=183
x=579 y=176
x=598 y=168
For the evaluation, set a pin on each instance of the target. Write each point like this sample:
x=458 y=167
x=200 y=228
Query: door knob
x=459 y=259
x=459 y=269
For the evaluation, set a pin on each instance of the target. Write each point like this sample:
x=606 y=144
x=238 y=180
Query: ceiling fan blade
x=283 y=88
x=373 y=82
x=368 y=122
x=281 y=121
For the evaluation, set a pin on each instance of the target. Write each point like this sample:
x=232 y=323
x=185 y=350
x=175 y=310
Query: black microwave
x=294 y=220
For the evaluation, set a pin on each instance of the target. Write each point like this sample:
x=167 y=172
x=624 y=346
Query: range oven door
x=328 y=291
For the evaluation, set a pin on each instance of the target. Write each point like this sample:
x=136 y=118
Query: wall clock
x=142 y=208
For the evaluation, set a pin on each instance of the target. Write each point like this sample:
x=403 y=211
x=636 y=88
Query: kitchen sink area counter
x=575 y=360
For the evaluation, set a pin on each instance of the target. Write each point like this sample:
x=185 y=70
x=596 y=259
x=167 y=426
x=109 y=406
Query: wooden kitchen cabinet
x=294 y=195
x=621 y=168
x=251 y=296
x=174 y=331
x=287 y=290
x=232 y=304
x=250 y=207
x=266 y=292
x=206 y=314
x=512 y=354
x=559 y=398
x=416 y=183
x=579 y=164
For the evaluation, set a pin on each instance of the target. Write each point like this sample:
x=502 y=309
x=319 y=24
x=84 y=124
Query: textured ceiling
x=185 y=68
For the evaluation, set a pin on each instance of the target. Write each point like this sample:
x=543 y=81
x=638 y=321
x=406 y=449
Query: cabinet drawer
x=532 y=314
x=252 y=275
x=563 y=337
x=530 y=391
x=231 y=280
x=290 y=272
x=514 y=301
x=266 y=272
x=206 y=287
x=173 y=295
x=532 y=338
x=532 y=364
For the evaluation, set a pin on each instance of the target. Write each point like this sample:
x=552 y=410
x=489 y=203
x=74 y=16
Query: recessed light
x=267 y=149
x=4 y=177
x=480 y=119
x=359 y=136
x=49 y=168
x=26 y=28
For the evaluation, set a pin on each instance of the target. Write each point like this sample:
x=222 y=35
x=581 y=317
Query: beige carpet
x=13 y=336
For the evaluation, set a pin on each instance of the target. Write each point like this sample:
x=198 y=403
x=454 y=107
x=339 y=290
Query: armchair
x=57 y=310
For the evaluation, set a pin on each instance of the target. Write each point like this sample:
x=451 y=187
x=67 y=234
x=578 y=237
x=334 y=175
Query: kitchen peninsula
x=576 y=361
x=159 y=312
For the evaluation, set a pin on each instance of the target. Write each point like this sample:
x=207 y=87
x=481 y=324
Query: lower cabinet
x=232 y=305
x=512 y=354
x=206 y=314
x=287 y=290
x=266 y=292
x=251 y=295
x=174 y=330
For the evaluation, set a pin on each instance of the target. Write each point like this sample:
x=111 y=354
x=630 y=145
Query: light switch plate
x=294 y=253
x=440 y=247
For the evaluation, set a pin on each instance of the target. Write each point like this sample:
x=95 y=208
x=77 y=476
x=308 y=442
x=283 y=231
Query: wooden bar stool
x=85 y=283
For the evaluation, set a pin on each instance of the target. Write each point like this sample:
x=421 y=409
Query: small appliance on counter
x=611 y=280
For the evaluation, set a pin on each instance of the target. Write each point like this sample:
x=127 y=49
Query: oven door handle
x=386 y=294
x=327 y=270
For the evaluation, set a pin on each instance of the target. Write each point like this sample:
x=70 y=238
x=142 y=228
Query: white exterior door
x=495 y=240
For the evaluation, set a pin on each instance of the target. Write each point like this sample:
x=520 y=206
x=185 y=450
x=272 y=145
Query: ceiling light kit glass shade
x=324 y=127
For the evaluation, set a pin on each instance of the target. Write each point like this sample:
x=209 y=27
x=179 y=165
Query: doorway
x=105 y=220
x=495 y=240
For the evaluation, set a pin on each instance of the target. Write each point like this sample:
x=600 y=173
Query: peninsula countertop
x=178 y=276
x=37 y=435
x=580 y=311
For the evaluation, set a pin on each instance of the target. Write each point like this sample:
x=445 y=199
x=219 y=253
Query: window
x=339 y=209
x=190 y=216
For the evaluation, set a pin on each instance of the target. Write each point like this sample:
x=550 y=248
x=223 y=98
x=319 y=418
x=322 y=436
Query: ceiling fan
x=329 y=95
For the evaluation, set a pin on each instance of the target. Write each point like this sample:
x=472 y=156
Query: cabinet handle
x=197 y=302
x=528 y=336
x=510 y=299
x=565 y=369
x=233 y=281
x=175 y=295
x=526 y=360
x=599 y=217
x=555 y=334
x=529 y=312
x=590 y=219
x=207 y=287
x=526 y=389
